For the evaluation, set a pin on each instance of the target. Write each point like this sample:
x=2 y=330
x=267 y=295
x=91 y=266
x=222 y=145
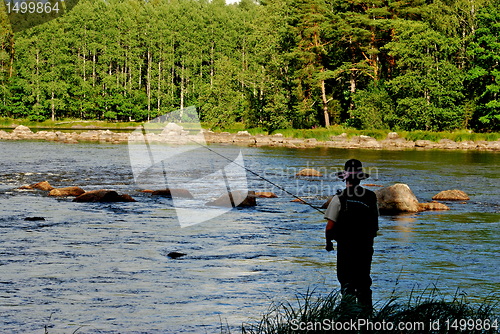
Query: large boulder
x=240 y=198
x=103 y=196
x=392 y=136
x=67 y=191
x=44 y=185
x=397 y=198
x=22 y=130
x=172 y=129
x=309 y=172
x=451 y=195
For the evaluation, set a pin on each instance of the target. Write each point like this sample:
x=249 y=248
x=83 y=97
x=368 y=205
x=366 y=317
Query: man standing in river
x=352 y=221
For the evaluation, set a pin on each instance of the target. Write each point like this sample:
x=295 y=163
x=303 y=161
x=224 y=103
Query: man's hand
x=329 y=245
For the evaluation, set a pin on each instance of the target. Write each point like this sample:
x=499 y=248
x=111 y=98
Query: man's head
x=353 y=172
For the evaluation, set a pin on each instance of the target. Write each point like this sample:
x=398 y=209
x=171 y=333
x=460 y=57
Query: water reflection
x=404 y=222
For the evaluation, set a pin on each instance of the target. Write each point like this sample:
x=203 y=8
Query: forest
x=274 y=64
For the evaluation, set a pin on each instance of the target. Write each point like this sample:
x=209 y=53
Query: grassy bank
x=321 y=134
x=324 y=134
x=66 y=123
x=429 y=312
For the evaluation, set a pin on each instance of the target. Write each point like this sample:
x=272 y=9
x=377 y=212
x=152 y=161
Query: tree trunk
x=93 y=69
x=212 y=49
x=148 y=84
x=182 y=87
x=37 y=78
x=352 y=82
x=53 y=107
x=325 y=103
x=172 y=75
x=140 y=76
x=159 y=86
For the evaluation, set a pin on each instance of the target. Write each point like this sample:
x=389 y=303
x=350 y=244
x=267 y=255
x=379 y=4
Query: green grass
x=66 y=123
x=459 y=135
x=419 y=311
x=324 y=134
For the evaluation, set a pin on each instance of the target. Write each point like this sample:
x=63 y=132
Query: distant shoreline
x=392 y=142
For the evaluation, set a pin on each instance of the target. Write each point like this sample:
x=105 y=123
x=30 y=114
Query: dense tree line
x=418 y=64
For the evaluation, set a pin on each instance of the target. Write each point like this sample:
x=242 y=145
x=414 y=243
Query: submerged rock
x=451 y=195
x=309 y=172
x=172 y=193
x=103 y=196
x=397 y=198
x=32 y=219
x=433 y=206
x=265 y=194
x=175 y=255
x=300 y=200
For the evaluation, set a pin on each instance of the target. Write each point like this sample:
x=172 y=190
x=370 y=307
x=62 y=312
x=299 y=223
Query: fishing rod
x=143 y=130
x=259 y=176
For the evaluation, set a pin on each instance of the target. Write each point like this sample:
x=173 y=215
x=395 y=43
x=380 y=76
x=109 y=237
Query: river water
x=103 y=268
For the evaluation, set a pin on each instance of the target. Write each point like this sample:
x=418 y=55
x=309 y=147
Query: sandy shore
x=176 y=134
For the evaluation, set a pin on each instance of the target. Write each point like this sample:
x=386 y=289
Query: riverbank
x=393 y=141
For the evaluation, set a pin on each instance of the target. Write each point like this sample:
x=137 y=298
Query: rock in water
x=239 y=198
x=33 y=219
x=172 y=193
x=103 y=196
x=127 y=198
x=298 y=200
x=434 y=206
x=451 y=195
x=265 y=194
x=44 y=185
x=397 y=198
x=68 y=191
x=175 y=255
x=309 y=172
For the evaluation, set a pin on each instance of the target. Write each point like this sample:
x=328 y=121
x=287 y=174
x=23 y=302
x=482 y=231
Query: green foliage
x=374 y=108
x=415 y=65
x=428 y=88
x=484 y=75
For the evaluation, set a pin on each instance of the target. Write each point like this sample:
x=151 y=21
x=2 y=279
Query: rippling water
x=104 y=267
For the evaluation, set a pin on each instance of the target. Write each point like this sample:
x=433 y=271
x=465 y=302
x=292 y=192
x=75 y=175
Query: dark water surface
x=105 y=266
